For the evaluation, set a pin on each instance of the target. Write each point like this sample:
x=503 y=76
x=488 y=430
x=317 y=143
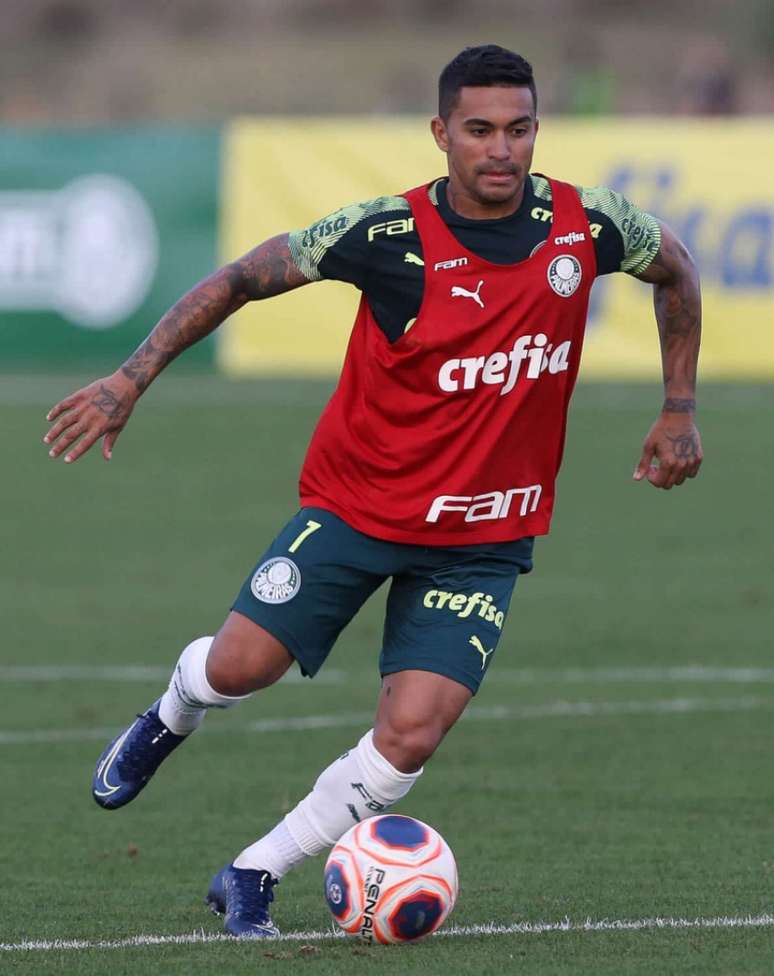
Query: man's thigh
x=446 y=612
x=310 y=582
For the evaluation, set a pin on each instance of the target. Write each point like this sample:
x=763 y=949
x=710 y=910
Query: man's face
x=489 y=139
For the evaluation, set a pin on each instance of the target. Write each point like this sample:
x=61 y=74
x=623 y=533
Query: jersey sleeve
x=639 y=231
x=338 y=247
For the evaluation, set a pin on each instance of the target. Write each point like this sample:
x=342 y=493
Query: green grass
x=629 y=814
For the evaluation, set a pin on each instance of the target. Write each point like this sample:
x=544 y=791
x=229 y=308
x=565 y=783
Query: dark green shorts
x=445 y=610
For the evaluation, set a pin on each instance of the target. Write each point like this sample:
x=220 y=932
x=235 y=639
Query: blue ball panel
x=337 y=891
x=417 y=916
x=396 y=831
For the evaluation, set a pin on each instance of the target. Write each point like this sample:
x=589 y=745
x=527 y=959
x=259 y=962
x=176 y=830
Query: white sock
x=358 y=785
x=276 y=852
x=185 y=702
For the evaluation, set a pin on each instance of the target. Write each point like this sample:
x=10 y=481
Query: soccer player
x=434 y=462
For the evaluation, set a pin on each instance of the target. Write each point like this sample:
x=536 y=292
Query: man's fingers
x=63 y=405
x=68 y=429
x=682 y=469
x=70 y=434
x=59 y=427
x=644 y=464
x=658 y=475
x=672 y=473
x=681 y=473
x=82 y=446
x=692 y=469
x=108 y=441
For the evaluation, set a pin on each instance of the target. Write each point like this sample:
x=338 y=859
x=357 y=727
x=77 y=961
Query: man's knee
x=408 y=743
x=416 y=710
x=245 y=657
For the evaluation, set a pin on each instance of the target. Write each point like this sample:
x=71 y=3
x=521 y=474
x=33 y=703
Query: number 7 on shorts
x=311 y=526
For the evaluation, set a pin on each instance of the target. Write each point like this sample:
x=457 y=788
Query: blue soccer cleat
x=243 y=896
x=130 y=760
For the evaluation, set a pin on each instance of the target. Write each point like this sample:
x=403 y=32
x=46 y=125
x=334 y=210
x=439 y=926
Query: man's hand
x=98 y=410
x=671 y=452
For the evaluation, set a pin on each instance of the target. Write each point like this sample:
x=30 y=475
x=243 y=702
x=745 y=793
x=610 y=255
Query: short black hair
x=486 y=66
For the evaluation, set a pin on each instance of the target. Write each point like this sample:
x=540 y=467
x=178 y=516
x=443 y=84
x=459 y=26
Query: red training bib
x=453 y=434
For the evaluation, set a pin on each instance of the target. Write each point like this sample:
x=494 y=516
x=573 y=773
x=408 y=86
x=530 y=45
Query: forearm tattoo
x=144 y=365
x=269 y=270
x=265 y=271
x=679 y=405
x=677 y=302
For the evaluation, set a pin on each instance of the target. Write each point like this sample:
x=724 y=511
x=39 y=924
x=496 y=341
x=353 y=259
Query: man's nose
x=498 y=146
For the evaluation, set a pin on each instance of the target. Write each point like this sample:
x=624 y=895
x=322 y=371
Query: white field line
x=452 y=931
x=684 y=674
x=125 y=674
x=139 y=673
x=485 y=713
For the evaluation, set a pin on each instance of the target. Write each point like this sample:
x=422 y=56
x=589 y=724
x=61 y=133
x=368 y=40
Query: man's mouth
x=499 y=173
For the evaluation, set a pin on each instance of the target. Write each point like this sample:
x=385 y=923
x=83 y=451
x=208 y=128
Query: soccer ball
x=391 y=879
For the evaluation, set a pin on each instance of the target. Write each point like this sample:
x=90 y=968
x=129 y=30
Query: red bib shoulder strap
x=419 y=199
x=566 y=204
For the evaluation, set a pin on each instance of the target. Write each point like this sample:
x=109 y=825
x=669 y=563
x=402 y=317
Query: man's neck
x=463 y=204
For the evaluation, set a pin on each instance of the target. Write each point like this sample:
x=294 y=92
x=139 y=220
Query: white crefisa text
x=505 y=367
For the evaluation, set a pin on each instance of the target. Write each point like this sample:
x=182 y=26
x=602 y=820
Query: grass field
x=616 y=766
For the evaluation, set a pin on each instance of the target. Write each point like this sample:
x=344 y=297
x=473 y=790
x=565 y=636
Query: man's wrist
x=128 y=383
x=679 y=405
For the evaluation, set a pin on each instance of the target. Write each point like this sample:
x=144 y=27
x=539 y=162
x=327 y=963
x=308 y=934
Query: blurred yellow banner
x=711 y=181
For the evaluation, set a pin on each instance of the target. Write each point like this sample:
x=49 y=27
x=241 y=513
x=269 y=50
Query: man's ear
x=440 y=133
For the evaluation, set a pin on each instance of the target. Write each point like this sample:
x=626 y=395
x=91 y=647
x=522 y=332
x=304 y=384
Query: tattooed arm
x=672 y=450
x=103 y=408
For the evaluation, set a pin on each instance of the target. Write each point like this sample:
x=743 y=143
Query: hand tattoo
x=685 y=446
x=107 y=402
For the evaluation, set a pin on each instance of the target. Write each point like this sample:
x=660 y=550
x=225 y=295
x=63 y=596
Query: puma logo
x=480 y=648
x=409 y=258
x=459 y=292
